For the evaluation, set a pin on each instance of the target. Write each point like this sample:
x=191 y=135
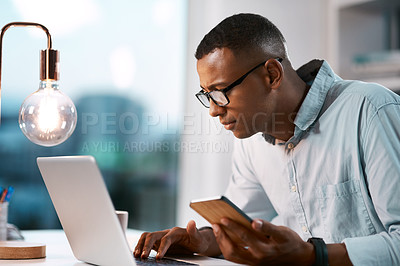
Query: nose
x=215 y=110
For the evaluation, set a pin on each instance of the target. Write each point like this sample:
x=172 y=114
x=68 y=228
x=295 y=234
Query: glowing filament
x=48 y=115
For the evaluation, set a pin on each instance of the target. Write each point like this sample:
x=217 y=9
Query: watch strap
x=321 y=251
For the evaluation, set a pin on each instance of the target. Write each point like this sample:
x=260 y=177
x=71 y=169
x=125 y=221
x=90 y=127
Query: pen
x=3 y=195
x=9 y=194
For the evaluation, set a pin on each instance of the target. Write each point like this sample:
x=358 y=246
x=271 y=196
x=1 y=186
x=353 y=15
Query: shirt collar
x=315 y=98
x=320 y=76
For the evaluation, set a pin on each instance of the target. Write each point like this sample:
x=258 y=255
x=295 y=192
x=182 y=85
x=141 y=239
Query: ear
x=275 y=73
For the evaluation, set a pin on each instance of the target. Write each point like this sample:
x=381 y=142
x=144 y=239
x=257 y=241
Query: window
x=122 y=63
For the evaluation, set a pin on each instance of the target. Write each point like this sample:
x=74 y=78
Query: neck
x=294 y=91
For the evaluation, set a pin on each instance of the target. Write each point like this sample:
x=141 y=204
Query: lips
x=228 y=125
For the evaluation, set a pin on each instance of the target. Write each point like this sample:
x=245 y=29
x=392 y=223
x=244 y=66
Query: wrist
x=309 y=254
x=320 y=251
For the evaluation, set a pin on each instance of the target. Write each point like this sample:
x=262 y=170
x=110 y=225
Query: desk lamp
x=47 y=117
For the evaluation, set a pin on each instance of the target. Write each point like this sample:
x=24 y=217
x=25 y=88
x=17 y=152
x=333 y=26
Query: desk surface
x=58 y=251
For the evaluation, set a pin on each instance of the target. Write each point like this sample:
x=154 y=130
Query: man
x=319 y=152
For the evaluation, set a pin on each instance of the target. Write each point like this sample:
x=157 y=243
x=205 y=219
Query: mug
x=123 y=219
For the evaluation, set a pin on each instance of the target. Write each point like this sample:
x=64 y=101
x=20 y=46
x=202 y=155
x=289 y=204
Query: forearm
x=213 y=248
x=337 y=255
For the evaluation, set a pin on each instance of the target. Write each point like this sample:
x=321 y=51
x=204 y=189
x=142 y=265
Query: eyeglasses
x=219 y=96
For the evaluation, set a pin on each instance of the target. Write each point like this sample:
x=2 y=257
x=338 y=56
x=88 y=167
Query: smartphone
x=213 y=209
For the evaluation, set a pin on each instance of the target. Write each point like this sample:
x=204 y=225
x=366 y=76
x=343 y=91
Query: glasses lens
x=219 y=97
x=203 y=99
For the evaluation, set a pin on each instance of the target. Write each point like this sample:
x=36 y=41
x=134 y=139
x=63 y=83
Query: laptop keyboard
x=164 y=261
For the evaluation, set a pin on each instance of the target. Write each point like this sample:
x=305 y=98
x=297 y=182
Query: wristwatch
x=321 y=251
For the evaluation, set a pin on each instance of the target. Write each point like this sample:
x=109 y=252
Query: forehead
x=218 y=68
x=217 y=58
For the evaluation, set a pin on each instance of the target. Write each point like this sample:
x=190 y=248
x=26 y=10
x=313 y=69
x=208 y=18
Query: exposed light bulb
x=47 y=117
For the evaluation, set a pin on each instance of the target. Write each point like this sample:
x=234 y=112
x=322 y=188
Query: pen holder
x=16 y=250
x=3 y=220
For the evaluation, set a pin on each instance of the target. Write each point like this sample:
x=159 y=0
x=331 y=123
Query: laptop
x=87 y=215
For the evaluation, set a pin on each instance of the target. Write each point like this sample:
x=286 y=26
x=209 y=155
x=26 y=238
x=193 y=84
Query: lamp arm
x=20 y=24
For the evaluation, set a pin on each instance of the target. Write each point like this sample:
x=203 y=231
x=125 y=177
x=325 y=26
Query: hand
x=176 y=241
x=267 y=244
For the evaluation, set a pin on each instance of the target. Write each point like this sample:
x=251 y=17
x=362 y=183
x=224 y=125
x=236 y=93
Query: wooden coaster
x=17 y=250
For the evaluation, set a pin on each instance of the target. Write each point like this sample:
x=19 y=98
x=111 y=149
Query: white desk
x=59 y=253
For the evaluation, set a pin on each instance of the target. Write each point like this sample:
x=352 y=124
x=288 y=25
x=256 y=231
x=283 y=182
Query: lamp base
x=20 y=250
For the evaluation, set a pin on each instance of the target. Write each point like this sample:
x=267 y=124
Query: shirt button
x=294 y=188
x=305 y=230
x=290 y=146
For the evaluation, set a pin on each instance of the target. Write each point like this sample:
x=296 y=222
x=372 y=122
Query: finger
x=139 y=245
x=198 y=241
x=151 y=238
x=164 y=246
x=173 y=236
x=267 y=228
x=246 y=236
x=228 y=248
x=193 y=232
x=191 y=228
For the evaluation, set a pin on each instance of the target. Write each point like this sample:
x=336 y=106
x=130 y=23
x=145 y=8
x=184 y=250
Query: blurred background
x=122 y=63
x=130 y=70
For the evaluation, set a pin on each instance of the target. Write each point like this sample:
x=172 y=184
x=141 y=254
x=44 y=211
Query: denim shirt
x=338 y=176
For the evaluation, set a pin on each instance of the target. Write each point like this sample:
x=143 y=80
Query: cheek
x=252 y=106
x=260 y=115
x=249 y=121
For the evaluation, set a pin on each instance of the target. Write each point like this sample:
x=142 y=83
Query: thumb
x=197 y=240
x=192 y=230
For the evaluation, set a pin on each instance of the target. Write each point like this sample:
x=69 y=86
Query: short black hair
x=244 y=32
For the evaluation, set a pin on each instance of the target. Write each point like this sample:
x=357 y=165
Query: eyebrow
x=213 y=86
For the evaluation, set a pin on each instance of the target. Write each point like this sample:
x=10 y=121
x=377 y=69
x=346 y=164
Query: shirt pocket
x=343 y=211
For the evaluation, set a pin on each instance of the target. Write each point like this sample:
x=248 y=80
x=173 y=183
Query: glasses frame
x=228 y=88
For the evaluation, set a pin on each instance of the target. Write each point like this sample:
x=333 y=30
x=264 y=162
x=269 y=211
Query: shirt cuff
x=369 y=250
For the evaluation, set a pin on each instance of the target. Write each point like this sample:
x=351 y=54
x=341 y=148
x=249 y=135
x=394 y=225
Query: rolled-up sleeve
x=381 y=155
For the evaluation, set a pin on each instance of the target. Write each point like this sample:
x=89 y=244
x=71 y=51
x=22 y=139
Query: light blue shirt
x=338 y=177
